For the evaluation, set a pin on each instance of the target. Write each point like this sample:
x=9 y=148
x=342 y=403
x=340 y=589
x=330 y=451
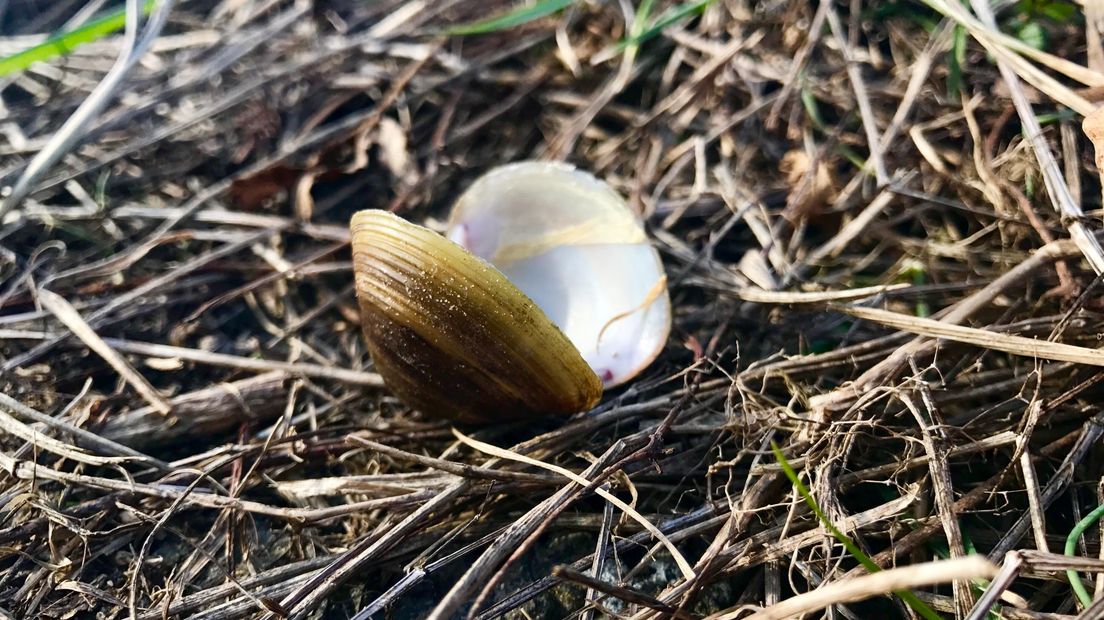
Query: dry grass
x=883 y=264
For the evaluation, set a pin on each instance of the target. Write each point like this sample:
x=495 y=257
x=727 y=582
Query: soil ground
x=879 y=222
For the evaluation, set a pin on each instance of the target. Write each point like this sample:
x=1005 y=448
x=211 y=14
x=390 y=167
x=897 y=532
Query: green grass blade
x=641 y=20
x=908 y=597
x=642 y=14
x=956 y=58
x=510 y=19
x=671 y=16
x=66 y=42
x=1071 y=549
x=812 y=108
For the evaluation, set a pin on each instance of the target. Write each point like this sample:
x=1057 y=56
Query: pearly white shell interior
x=570 y=243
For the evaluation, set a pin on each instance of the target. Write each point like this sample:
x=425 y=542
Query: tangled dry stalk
x=881 y=226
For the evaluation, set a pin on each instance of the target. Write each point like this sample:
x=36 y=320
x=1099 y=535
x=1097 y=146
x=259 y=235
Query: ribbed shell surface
x=452 y=337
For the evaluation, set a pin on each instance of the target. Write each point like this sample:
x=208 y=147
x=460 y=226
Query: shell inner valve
x=571 y=244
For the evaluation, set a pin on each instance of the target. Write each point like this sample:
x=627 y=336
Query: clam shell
x=452 y=337
x=573 y=245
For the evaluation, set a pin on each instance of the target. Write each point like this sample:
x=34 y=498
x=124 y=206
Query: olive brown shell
x=452 y=337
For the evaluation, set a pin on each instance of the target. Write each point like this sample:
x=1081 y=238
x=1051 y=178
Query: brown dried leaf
x=811 y=185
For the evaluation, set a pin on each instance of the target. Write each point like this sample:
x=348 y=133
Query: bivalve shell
x=451 y=336
x=574 y=247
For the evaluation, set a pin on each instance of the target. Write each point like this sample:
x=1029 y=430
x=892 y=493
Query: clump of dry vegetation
x=880 y=222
